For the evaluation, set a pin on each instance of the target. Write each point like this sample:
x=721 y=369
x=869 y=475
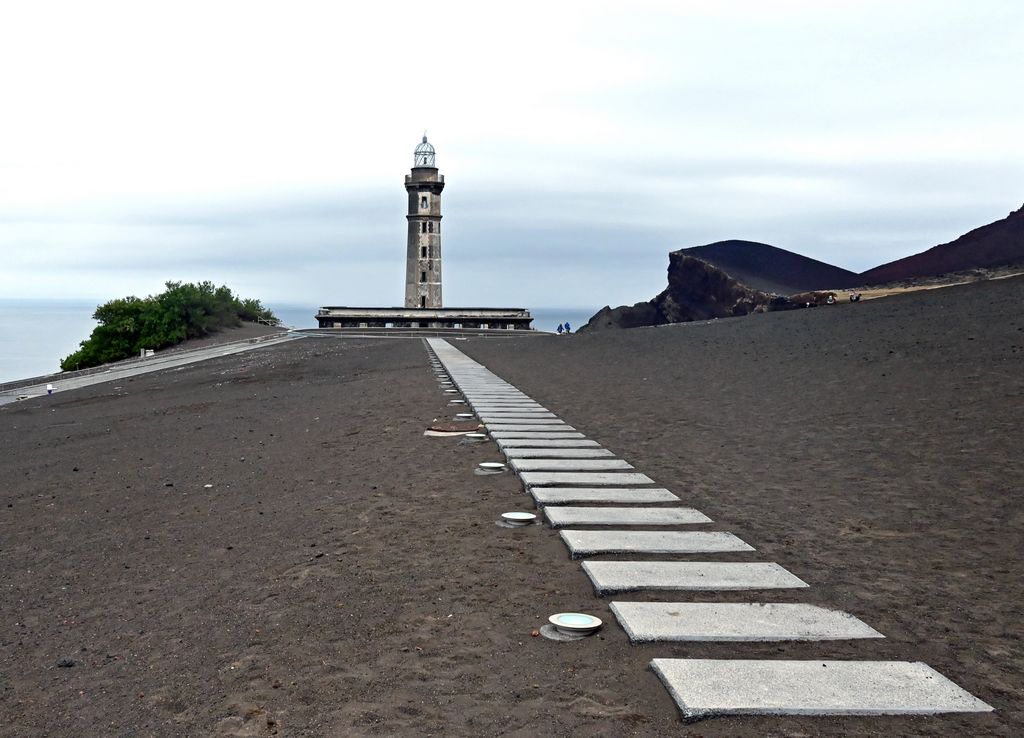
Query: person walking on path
x=568 y=329
x=559 y=329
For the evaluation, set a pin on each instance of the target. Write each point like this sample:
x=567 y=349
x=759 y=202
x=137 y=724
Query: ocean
x=36 y=334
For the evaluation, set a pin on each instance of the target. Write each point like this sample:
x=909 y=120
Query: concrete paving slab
x=529 y=441
x=539 y=427
x=704 y=688
x=610 y=577
x=524 y=408
x=514 y=410
x=517 y=416
x=560 y=517
x=532 y=421
x=548 y=435
x=486 y=399
x=558 y=453
x=736 y=621
x=564 y=478
x=572 y=495
x=596 y=542
x=580 y=465
x=497 y=396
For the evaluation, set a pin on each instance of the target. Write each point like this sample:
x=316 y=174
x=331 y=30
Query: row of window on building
x=431 y=324
x=427 y=226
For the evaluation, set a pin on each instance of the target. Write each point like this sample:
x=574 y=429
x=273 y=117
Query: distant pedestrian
x=560 y=329
x=568 y=328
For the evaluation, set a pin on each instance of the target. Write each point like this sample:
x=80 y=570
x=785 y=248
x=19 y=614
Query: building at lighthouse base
x=504 y=319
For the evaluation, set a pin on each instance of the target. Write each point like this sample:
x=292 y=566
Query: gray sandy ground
x=344 y=576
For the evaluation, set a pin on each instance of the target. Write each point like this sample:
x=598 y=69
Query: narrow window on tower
x=423 y=301
x=430 y=227
x=423 y=252
x=423 y=202
x=423 y=276
x=423 y=227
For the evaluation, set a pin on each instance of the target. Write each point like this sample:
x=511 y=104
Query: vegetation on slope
x=182 y=311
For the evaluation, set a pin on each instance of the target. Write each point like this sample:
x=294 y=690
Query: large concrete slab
x=529 y=441
x=532 y=421
x=540 y=428
x=736 y=621
x=516 y=416
x=704 y=688
x=558 y=453
x=497 y=396
x=560 y=517
x=563 y=478
x=495 y=393
x=488 y=400
x=531 y=410
x=546 y=435
x=572 y=495
x=524 y=408
x=610 y=577
x=581 y=465
x=596 y=542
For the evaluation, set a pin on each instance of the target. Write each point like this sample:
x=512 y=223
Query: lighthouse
x=423 y=309
x=423 y=246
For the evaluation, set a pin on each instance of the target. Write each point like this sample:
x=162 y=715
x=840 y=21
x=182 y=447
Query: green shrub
x=181 y=311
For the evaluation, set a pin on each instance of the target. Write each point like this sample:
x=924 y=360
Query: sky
x=264 y=145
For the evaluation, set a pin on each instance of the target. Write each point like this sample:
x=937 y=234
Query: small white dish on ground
x=575 y=623
x=492 y=466
x=518 y=518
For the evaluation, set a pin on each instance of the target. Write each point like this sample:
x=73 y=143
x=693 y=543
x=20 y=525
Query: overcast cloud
x=263 y=145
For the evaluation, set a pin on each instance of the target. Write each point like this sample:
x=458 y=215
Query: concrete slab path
x=610 y=577
x=563 y=478
x=558 y=465
x=529 y=442
x=736 y=621
x=597 y=542
x=558 y=453
x=572 y=495
x=560 y=517
x=498 y=427
x=547 y=435
x=707 y=687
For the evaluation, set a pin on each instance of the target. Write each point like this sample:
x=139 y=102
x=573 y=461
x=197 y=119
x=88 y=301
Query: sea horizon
x=36 y=333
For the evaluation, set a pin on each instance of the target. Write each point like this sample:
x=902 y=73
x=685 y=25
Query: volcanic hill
x=771 y=269
x=696 y=290
x=996 y=244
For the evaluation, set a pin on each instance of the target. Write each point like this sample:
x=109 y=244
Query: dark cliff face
x=996 y=244
x=771 y=269
x=696 y=291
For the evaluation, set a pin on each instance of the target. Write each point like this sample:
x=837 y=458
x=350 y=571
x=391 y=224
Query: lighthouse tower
x=423 y=251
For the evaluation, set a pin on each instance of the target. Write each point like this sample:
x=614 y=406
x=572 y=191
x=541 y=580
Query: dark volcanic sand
x=346 y=577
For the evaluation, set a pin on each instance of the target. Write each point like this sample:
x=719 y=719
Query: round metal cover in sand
x=575 y=623
x=456 y=402
x=518 y=518
x=452 y=391
x=492 y=465
x=464 y=415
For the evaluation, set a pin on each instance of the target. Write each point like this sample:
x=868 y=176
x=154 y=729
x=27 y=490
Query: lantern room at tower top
x=423 y=300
